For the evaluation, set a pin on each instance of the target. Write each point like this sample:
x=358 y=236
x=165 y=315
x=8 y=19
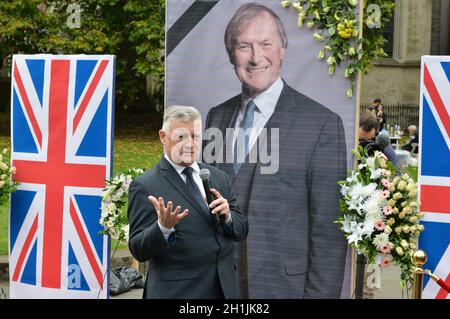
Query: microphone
x=205 y=175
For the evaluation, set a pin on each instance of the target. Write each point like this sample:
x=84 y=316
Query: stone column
x=412 y=34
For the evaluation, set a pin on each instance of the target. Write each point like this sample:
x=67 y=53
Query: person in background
x=381 y=117
x=368 y=128
x=413 y=143
x=383 y=141
x=377 y=110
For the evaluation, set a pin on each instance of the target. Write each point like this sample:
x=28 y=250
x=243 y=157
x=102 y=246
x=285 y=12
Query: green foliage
x=130 y=29
x=7 y=183
x=338 y=28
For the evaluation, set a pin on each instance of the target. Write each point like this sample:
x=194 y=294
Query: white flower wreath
x=114 y=217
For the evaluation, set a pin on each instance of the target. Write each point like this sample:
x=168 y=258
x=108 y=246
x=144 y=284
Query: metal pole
x=359 y=277
x=419 y=258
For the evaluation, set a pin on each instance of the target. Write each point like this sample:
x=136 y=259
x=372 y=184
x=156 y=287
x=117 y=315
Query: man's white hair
x=179 y=112
x=412 y=127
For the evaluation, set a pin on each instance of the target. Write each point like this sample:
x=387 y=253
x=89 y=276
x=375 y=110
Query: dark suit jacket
x=294 y=250
x=199 y=263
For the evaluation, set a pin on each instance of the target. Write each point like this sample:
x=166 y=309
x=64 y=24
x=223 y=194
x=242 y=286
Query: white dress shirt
x=198 y=181
x=266 y=103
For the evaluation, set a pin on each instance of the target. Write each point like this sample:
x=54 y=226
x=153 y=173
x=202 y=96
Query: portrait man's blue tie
x=247 y=122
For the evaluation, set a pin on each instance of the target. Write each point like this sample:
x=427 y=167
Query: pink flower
x=387 y=210
x=386 y=183
x=386 y=262
x=379 y=225
x=385 y=194
x=385 y=249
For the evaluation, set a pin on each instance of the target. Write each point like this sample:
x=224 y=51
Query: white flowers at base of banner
x=114 y=202
x=7 y=183
x=380 y=213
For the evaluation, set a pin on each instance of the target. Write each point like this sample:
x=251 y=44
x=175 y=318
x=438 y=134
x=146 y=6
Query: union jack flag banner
x=434 y=170
x=62 y=143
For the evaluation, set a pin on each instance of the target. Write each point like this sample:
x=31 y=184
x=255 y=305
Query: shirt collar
x=180 y=168
x=267 y=100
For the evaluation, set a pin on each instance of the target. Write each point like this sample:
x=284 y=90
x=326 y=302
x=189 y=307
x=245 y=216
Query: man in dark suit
x=190 y=253
x=293 y=250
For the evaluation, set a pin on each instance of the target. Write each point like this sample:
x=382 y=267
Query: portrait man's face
x=183 y=141
x=258 y=53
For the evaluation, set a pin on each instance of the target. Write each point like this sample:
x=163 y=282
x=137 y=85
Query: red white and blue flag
x=434 y=170
x=62 y=116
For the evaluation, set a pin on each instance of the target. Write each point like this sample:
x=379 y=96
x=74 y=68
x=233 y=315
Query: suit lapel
x=172 y=176
x=281 y=117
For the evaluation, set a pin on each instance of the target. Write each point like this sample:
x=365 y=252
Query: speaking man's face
x=258 y=53
x=183 y=142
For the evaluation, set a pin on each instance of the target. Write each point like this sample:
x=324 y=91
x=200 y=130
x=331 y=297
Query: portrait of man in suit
x=293 y=249
x=171 y=225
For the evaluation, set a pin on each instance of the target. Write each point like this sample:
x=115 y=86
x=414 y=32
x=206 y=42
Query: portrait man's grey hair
x=240 y=20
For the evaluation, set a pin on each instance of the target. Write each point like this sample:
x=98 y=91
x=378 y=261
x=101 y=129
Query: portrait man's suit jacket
x=293 y=250
x=199 y=260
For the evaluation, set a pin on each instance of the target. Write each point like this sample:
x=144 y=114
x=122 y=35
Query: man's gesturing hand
x=166 y=216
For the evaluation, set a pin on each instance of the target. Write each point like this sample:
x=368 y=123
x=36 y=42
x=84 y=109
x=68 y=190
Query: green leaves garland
x=337 y=23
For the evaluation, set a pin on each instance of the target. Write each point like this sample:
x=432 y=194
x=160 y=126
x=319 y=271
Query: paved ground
x=389 y=282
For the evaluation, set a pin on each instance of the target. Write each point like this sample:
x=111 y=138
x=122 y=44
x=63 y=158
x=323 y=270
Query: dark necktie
x=247 y=122
x=193 y=188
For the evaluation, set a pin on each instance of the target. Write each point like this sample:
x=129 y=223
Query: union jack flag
x=61 y=115
x=434 y=170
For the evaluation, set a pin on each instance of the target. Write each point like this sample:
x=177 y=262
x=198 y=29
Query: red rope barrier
x=443 y=285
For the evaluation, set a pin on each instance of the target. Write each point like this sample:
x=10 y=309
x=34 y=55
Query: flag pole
x=359 y=261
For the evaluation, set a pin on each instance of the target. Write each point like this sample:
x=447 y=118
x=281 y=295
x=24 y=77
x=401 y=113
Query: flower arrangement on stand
x=337 y=26
x=380 y=213
x=7 y=184
x=114 y=217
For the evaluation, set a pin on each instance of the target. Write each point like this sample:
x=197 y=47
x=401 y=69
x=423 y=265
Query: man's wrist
x=165 y=231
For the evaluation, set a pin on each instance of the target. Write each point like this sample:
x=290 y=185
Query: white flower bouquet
x=7 y=184
x=380 y=213
x=114 y=217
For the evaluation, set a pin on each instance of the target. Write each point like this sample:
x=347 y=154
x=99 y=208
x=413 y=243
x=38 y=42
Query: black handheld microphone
x=205 y=175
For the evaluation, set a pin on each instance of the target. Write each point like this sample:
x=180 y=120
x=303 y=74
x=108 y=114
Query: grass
x=4 y=211
x=136 y=145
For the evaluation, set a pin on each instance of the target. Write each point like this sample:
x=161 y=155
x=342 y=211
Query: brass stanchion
x=419 y=258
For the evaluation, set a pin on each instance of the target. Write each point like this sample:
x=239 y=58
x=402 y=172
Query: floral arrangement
x=380 y=213
x=338 y=26
x=7 y=185
x=114 y=217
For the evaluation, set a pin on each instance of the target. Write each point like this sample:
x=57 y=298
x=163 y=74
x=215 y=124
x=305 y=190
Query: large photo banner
x=434 y=170
x=62 y=141
x=248 y=67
